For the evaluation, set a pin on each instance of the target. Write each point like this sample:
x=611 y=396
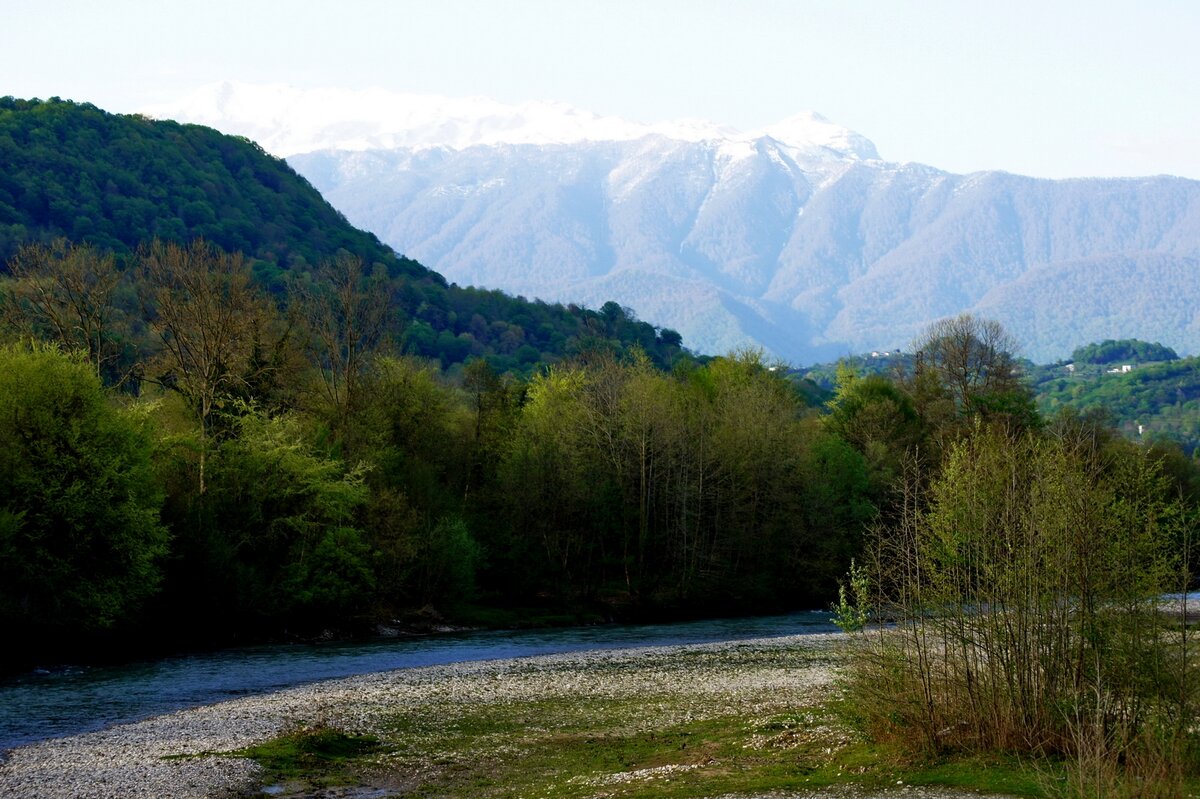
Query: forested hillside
x=116 y=182
x=74 y=171
x=1147 y=399
x=1143 y=389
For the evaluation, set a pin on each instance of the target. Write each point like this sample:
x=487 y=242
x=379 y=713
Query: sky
x=1051 y=89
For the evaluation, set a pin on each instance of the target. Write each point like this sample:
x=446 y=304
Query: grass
x=551 y=749
x=319 y=755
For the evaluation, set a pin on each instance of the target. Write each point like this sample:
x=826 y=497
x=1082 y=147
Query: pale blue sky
x=1044 y=88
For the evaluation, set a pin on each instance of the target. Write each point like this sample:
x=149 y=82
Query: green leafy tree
x=276 y=538
x=878 y=419
x=80 y=536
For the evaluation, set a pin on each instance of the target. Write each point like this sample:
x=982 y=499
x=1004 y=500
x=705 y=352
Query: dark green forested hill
x=70 y=170
x=114 y=181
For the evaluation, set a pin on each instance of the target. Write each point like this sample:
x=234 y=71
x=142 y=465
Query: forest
x=193 y=459
x=258 y=469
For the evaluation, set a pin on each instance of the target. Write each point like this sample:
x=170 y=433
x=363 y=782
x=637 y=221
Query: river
x=70 y=700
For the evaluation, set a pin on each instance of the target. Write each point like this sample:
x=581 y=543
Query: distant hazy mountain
x=797 y=237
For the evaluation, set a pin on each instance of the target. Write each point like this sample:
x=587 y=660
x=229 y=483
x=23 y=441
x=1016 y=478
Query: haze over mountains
x=797 y=237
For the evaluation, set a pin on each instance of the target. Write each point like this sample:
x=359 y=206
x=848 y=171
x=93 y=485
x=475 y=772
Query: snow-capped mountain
x=287 y=121
x=796 y=237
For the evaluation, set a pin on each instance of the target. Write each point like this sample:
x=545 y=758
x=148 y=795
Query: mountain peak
x=287 y=120
x=813 y=129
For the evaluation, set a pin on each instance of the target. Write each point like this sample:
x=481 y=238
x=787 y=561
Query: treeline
x=1158 y=399
x=185 y=455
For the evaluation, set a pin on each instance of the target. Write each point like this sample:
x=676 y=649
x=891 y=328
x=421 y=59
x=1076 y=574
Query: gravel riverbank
x=182 y=754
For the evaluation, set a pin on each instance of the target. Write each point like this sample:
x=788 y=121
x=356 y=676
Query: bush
x=1026 y=584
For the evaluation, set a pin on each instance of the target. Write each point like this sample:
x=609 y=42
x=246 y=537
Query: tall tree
x=211 y=321
x=970 y=363
x=346 y=311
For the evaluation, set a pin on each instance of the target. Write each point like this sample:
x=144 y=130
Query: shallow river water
x=70 y=700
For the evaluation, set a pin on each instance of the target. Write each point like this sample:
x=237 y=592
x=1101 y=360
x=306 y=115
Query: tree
x=874 y=416
x=65 y=292
x=80 y=538
x=969 y=363
x=1026 y=585
x=211 y=322
x=346 y=312
x=554 y=484
x=495 y=402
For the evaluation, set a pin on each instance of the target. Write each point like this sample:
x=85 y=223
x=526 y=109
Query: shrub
x=1026 y=586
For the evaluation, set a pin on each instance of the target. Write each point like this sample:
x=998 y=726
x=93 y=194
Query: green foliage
x=1127 y=350
x=80 y=537
x=853 y=608
x=1026 y=586
x=1150 y=401
x=879 y=420
x=703 y=487
x=446 y=561
x=275 y=535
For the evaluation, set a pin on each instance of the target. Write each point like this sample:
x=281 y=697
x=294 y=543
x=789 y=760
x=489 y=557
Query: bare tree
x=346 y=312
x=972 y=358
x=210 y=319
x=65 y=291
x=971 y=355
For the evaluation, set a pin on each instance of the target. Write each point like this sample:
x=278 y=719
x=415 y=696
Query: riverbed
x=186 y=753
x=67 y=700
x=743 y=719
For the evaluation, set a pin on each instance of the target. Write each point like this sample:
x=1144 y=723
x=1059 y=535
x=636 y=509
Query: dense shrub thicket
x=1026 y=578
x=80 y=536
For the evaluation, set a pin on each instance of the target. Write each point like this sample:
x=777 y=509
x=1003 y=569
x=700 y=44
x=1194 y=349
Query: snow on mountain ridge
x=286 y=121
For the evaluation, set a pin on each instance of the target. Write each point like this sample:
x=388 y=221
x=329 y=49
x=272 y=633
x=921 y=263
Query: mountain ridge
x=808 y=250
x=308 y=120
